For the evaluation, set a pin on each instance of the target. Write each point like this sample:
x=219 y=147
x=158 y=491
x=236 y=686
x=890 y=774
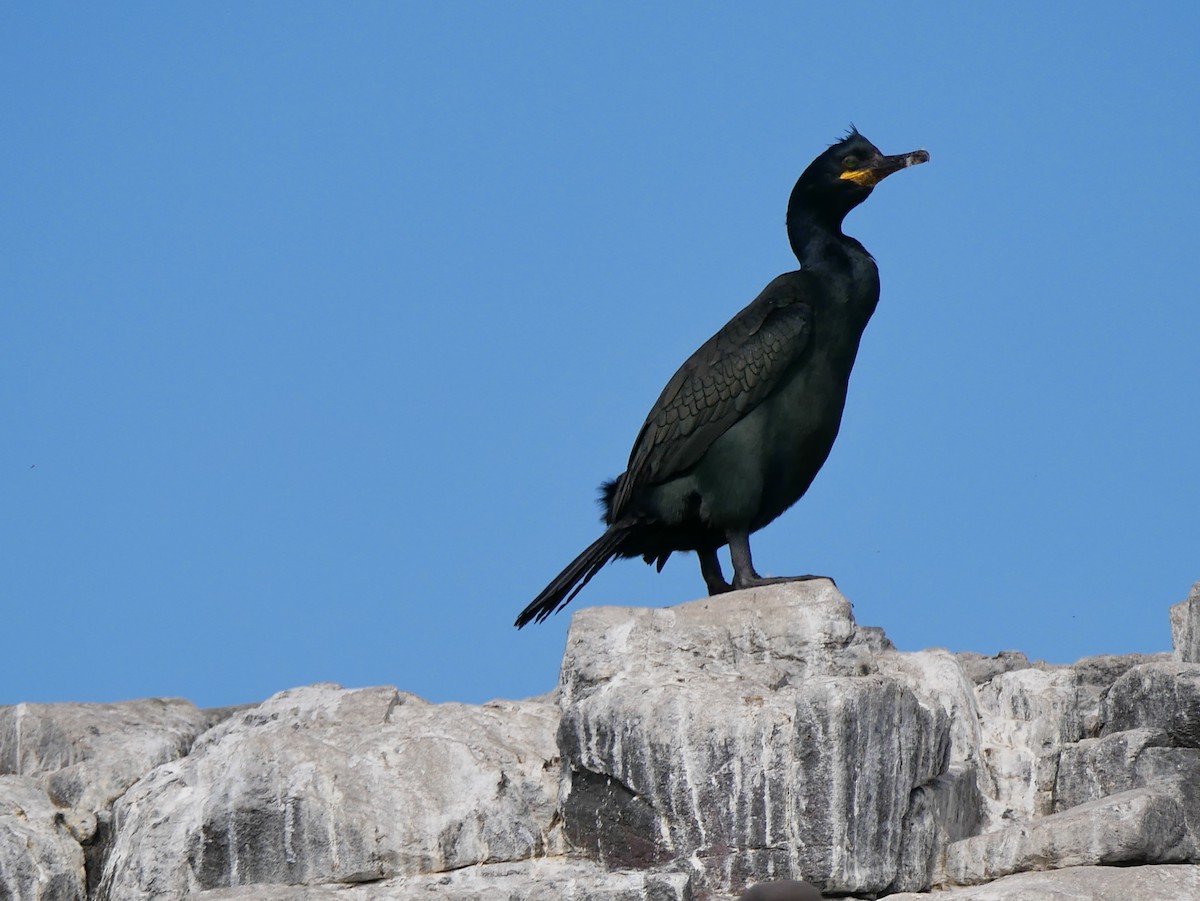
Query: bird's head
x=843 y=177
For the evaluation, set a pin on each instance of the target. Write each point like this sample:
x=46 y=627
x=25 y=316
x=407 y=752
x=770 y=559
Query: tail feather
x=578 y=573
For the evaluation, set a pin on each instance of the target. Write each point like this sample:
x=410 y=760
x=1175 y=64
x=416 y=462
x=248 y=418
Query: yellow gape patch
x=865 y=177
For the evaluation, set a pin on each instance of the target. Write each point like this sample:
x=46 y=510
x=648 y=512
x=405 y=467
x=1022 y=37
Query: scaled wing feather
x=719 y=384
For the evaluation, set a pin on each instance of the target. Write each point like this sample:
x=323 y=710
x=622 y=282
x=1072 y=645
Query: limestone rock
x=1095 y=677
x=1185 y=627
x=1170 y=882
x=1158 y=696
x=323 y=785
x=1025 y=717
x=952 y=806
x=939 y=680
x=87 y=755
x=980 y=669
x=1012 y=727
x=751 y=733
x=688 y=752
x=946 y=810
x=1097 y=767
x=1140 y=826
x=39 y=858
x=546 y=879
x=1098 y=674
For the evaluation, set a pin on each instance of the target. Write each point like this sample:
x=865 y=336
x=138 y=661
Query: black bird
x=742 y=428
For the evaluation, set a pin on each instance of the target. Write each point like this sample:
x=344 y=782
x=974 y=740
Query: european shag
x=742 y=428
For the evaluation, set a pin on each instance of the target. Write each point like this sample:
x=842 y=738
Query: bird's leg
x=710 y=568
x=744 y=574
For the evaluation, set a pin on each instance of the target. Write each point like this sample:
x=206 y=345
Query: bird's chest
x=803 y=416
x=807 y=409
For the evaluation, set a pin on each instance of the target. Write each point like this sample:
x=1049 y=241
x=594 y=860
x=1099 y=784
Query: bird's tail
x=578 y=573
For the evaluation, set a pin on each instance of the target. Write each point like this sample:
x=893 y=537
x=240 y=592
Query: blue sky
x=321 y=323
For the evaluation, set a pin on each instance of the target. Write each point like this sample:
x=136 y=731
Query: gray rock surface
x=1158 y=883
x=1026 y=716
x=1139 y=826
x=324 y=785
x=980 y=668
x=1163 y=696
x=1185 y=627
x=952 y=806
x=752 y=733
x=85 y=756
x=39 y=858
x=687 y=753
x=547 y=879
x=1097 y=767
x=945 y=811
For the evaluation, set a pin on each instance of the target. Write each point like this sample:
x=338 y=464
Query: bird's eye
x=850 y=162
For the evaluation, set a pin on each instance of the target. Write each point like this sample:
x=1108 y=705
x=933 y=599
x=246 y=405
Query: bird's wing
x=719 y=384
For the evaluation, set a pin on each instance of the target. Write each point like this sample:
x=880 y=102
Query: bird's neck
x=821 y=244
x=822 y=247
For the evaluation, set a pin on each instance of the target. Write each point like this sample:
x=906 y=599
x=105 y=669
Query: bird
x=781 y=890
x=740 y=431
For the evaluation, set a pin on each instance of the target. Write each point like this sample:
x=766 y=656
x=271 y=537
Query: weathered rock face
x=89 y=754
x=1082 y=883
x=687 y=753
x=1185 y=627
x=744 y=733
x=323 y=785
x=83 y=757
x=1163 y=695
x=1137 y=826
x=1094 y=763
x=39 y=858
x=555 y=879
